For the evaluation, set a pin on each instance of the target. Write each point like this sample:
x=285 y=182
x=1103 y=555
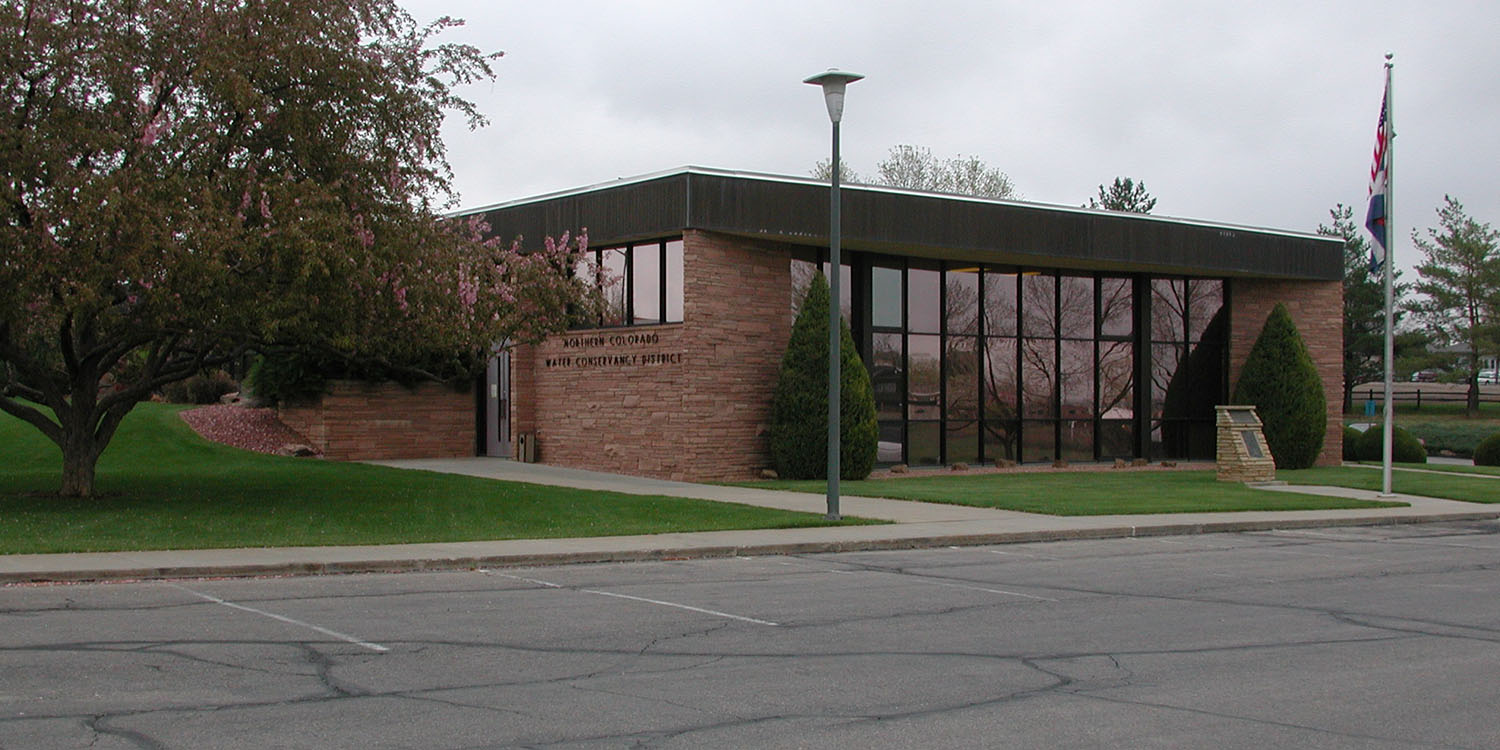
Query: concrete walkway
x=915 y=524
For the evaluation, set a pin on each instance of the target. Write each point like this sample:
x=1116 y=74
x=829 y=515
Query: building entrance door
x=497 y=440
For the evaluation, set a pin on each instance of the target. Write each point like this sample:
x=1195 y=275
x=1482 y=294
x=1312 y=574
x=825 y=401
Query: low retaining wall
x=357 y=421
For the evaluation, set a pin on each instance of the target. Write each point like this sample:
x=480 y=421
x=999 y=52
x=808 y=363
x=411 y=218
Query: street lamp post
x=833 y=82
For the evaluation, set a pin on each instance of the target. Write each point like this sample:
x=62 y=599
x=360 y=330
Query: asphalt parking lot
x=1368 y=637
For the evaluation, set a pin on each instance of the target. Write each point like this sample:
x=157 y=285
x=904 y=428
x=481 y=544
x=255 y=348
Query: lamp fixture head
x=833 y=82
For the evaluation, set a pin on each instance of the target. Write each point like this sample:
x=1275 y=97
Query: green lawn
x=1082 y=493
x=1440 y=480
x=163 y=487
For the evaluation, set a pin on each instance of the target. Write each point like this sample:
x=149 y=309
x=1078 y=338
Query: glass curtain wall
x=975 y=363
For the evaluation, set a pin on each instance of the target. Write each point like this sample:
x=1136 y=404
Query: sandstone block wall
x=375 y=421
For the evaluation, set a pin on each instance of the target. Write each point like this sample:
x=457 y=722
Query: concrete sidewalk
x=915 y=525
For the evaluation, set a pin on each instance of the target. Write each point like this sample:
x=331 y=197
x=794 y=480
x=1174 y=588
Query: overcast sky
x=1248 y=113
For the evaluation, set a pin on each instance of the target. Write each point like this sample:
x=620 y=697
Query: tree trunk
x=1471 y=407
x=79 y=461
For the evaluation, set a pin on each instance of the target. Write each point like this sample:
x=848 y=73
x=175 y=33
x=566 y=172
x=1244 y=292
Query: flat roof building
x=992 y=330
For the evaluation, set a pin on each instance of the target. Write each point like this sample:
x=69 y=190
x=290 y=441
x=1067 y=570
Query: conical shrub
x=799 y=410
x=1280 y=379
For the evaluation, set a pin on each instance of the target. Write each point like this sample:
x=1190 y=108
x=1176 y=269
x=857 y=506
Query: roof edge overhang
x=898 y=221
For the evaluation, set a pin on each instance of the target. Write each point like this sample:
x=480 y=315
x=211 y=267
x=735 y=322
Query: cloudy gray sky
x=1249 y=113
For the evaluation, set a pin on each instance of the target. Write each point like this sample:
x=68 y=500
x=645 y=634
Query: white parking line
x=282 y=618
x=676 y=605
x=987 y=591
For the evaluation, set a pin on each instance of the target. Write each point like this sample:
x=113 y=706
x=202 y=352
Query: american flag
x=1375 y=215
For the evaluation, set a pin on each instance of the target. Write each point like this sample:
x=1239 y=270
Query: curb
x=540 y=559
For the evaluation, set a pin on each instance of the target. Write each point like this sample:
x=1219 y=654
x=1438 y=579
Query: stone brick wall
x=687 y=401
x=1317 y=307
x=374 y=421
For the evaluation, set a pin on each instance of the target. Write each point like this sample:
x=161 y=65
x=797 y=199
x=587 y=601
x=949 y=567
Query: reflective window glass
x=674 y=281
x=1168 y=309
x=1000 y=438
x=1077 y=439
x=961 y=303
x=1116 y=439
x=886 y=375
x=645 y=278
x=885 y=297
x=1001 y=398
x=1038 y=373
x=1115 y=305
x=923 y=441
x=961 y=377
x=802 y=276
x=616 y=286
x=1038 y=305
x=961 y=441
x=892 y=444
x=1000 y=303
x=1165 y=359
x=1116 y=380
x=1076 y=377
x=923 y=371
x=1205 y=298
x=924 y=300
x=1075 y=301
x=1038 y=441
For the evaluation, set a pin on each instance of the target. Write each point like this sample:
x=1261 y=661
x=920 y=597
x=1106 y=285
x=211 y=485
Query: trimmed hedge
x=1405 y=448
x=1280 y=380
x=1487 y=453
x=1458 y=438
x=1351 y=438
x=799 y=409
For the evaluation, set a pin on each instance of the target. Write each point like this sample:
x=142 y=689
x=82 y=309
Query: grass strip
x=163 y=487
x=1448 y=482
x=1084 y=493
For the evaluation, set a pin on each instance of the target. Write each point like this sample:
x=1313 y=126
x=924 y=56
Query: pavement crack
x=98 y=726
x=324 y=666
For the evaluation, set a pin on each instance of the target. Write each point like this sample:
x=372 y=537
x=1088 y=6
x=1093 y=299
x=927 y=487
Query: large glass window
x=645 y=295
x=639 y=284
x=1000 y=308
x=885 y=297
x=924 y=300
x=961 y=301
x=1188 y=331
x=973 y=363
x=674 y=281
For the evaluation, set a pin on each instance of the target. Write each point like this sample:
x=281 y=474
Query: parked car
x=1424 y=376
x=1489 y=377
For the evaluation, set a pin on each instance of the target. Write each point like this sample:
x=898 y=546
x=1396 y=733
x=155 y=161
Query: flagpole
x=1390 y=238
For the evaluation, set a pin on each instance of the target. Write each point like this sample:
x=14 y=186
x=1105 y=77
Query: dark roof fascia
x=914 y=223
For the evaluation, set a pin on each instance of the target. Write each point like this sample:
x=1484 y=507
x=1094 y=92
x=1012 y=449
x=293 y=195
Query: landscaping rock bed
x=250 y=429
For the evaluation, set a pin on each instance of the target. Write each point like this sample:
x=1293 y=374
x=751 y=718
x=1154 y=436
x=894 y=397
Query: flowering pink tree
x=183 y=181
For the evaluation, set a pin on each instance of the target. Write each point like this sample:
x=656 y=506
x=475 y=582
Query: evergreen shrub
x=799 y=409
x=1405 y=447
x=1487 y=453
x=1351 y=439
x=288 y=378
x=1279 y=378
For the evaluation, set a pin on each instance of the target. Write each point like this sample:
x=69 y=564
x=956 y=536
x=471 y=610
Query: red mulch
x=251 y=429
